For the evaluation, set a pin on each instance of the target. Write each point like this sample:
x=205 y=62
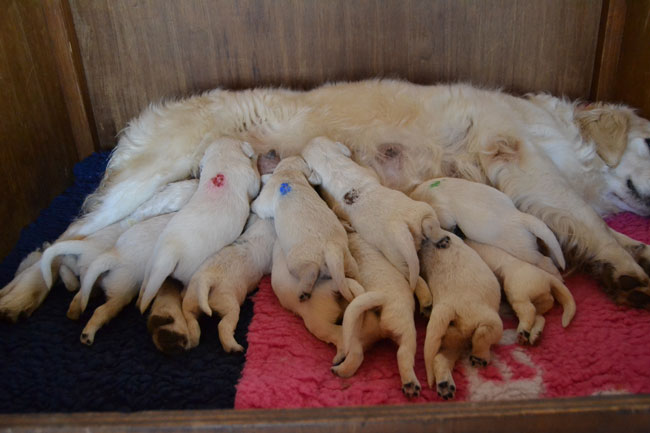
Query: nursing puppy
x=466 y=297
x=529 y=290
x=323 y=311
x=388 y=291
x=123 y=267
x=486 y=215
x=387 y=219
x=222 y=282
x=213 y=218
x=310 y=234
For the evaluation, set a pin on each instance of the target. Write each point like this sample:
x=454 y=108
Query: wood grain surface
x=138 y=51
x=37 y=151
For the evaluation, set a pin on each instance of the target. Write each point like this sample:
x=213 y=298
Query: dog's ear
x=607 y=127
x=314 y=178
x=344 y=149
x=247 y=149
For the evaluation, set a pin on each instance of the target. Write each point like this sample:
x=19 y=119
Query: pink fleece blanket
x=605 y=350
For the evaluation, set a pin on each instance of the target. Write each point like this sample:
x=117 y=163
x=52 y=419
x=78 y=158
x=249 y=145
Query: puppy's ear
x=247 y=149
x=314 y=178
x=344 y=149
x=608 y=128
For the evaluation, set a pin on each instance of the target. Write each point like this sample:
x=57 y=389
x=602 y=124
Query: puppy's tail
x=354 y=312
x=160 y=267
x=541 y=230
x=406 y=246
x=441 y=316
x=101 y=264
x=75 y=247
x=562 y=294
x=334 y=259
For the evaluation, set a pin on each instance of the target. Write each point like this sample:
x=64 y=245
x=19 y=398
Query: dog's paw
x=477 y=362
x=446 y=390
x=169 y=341
x=523 y=337
x=425 y=310
x=626 y=288
x=304 y=296
x=87 y=338
x=411 y=389
x=24 y=294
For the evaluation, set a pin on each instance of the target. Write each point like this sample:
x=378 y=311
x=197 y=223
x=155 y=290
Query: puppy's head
x=320 y=149
x=622 y=141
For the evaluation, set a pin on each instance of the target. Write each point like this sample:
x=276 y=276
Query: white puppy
x=388 y=291
x=387 y=219
x=529 y=289
x=466 y=297
x=485 y=214
x=213 y=218
x=123 y=267
x=310 y=234
x=223 y=281
x=323 y=311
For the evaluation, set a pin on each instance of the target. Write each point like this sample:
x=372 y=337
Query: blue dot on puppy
x=285 y=188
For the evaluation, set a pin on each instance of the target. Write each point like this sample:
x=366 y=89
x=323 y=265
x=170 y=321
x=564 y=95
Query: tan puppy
x=166 y=323
x=223 y=281
x=123 y=268
x=485 y=214
x=213 y=218
x=530 y=290
x=387 y=219
x=466 y=297
x=311 y=236
x=389 y=291
x=323 y=311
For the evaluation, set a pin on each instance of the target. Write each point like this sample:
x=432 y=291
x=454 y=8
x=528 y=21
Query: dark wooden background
x=138 y=51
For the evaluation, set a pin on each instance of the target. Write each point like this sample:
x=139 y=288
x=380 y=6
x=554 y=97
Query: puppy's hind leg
x=166 y=322
x=104 y=313
x=487 y=333
x=406 y=360
x=227 y=306
x=444 y=362
x=307 y=274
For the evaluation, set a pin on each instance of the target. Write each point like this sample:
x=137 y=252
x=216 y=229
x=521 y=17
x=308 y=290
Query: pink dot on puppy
x=218 y=180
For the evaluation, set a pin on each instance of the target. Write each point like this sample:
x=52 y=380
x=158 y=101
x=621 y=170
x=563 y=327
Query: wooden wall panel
x=633 y=78
x=37 y=150
x=138 y=51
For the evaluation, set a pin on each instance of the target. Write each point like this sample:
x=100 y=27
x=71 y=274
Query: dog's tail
x=541 y=230
x=334 y=259
x=75 y=247
x=354 y=313
x=441 y=316
x=406 y=246
x=562 y=294
x=105 y=262
x=160 y=267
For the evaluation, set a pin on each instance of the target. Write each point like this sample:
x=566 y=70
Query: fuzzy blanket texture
x=45 y=368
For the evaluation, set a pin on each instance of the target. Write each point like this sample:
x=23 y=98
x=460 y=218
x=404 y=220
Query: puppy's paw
x=411 y=389
x=24 y=294
x=304 y=296
x=446 y=389
x=87 y=338
x=477 y=362
x=425 y=310
x=230 y=348
x=443 y=243
x=169 y=341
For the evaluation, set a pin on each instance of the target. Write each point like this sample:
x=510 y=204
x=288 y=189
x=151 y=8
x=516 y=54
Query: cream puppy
x=466 y=297
x=485 y=214
x=213 y=218
x=223 y=281
x=309 y=233
x=323 y=311
x=530 y=290
x=123 y=268
x=387 y=290
x=387 y=219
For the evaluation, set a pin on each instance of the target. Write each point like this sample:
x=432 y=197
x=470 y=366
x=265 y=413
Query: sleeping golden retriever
x=565 y=163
